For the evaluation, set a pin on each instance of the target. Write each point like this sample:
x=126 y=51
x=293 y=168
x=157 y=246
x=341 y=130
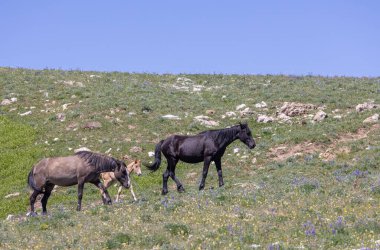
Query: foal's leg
x=119 y=192
x=206 y=165
x=32 y=200
x=107 y=183
x=48 y=188
x=218 y=164
x=133 y=193
x=105 y=196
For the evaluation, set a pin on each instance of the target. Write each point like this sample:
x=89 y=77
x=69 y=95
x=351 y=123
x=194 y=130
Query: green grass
x=303 y=201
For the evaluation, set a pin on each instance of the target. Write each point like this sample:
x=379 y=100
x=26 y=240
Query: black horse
x=206 y=146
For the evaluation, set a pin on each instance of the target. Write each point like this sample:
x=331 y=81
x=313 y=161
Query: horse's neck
x=130 y=168
x=228 y=137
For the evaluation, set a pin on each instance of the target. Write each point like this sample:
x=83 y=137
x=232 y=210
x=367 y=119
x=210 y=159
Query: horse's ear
x=243 y=124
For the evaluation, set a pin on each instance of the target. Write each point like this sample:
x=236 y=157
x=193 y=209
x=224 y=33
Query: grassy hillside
x=306 y=184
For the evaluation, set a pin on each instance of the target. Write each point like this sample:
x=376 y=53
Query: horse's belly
x=64 y=180
x=191 y=159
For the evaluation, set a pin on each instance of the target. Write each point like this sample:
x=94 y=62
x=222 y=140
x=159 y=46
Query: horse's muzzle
x=252 y=145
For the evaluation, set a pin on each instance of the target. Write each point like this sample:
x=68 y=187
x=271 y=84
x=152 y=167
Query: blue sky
x=294 y=37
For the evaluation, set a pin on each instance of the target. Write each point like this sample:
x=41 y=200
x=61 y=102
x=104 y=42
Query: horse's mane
x=222 y=133
x=101 y=162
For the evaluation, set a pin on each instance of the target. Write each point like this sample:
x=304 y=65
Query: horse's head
x=245 y=136
x=135 y=166
x=121 y=174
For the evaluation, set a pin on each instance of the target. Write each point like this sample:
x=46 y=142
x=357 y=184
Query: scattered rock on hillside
x=295 y=109
x=72 y=83
x=246 y=112
x=12 y=195
x=261 y=105
x=171 y=117
x=206 y=121
x=82 y=149
x=186 y=84
x=241 y=106
x=229 y=114
x=319 y=116
x=131 y=127
x=372 y=119
x=6 y=102
x=61 y=117
x=366 y=106
x=72 y=126
x=92 y=125
x=135 y=149
x=265 y=119
x=210 y=112
x=284 y=118
x=126 y=158
x=184 y=81
x=26 y=113
x=64 y=106
x=10 y=217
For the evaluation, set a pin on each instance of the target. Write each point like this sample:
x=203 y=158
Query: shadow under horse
x=80 y=168
x=206 y=146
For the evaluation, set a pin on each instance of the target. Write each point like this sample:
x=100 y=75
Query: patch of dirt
x=283 y=152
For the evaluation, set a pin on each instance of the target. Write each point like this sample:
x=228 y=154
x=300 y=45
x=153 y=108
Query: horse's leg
x=165 y=178
x=119 y=192
x=218 y=164
x=206 y=164
x=172 y=165
x=80 y=194
x=48 y=188
x=107 y=183
x=133 y=193
x=105 y=196
x=32 y=200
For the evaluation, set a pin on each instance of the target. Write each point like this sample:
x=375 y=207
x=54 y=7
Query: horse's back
x=189 y=149
x=62 y=171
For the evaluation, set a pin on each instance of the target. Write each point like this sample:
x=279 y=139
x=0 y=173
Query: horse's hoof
x=164 y=192
x=181 y=189
x=201 y=188
x=31 y=214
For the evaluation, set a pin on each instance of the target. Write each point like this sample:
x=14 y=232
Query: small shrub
x=118 y=241
x=177 y=229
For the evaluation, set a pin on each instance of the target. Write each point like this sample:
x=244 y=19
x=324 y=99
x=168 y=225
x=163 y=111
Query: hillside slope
x=309 y=183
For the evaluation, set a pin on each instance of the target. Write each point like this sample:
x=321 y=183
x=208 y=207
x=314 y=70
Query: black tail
x=157 y=155
x=31 y=182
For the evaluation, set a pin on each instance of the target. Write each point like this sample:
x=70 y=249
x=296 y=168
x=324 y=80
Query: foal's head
x=121 y=174
x=245 y=136
x=135 y=166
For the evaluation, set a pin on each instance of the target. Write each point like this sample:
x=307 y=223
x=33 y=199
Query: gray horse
x=80 y=168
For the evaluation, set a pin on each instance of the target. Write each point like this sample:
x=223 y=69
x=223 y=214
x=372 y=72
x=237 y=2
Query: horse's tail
x=32 y=183
x=157 y=158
